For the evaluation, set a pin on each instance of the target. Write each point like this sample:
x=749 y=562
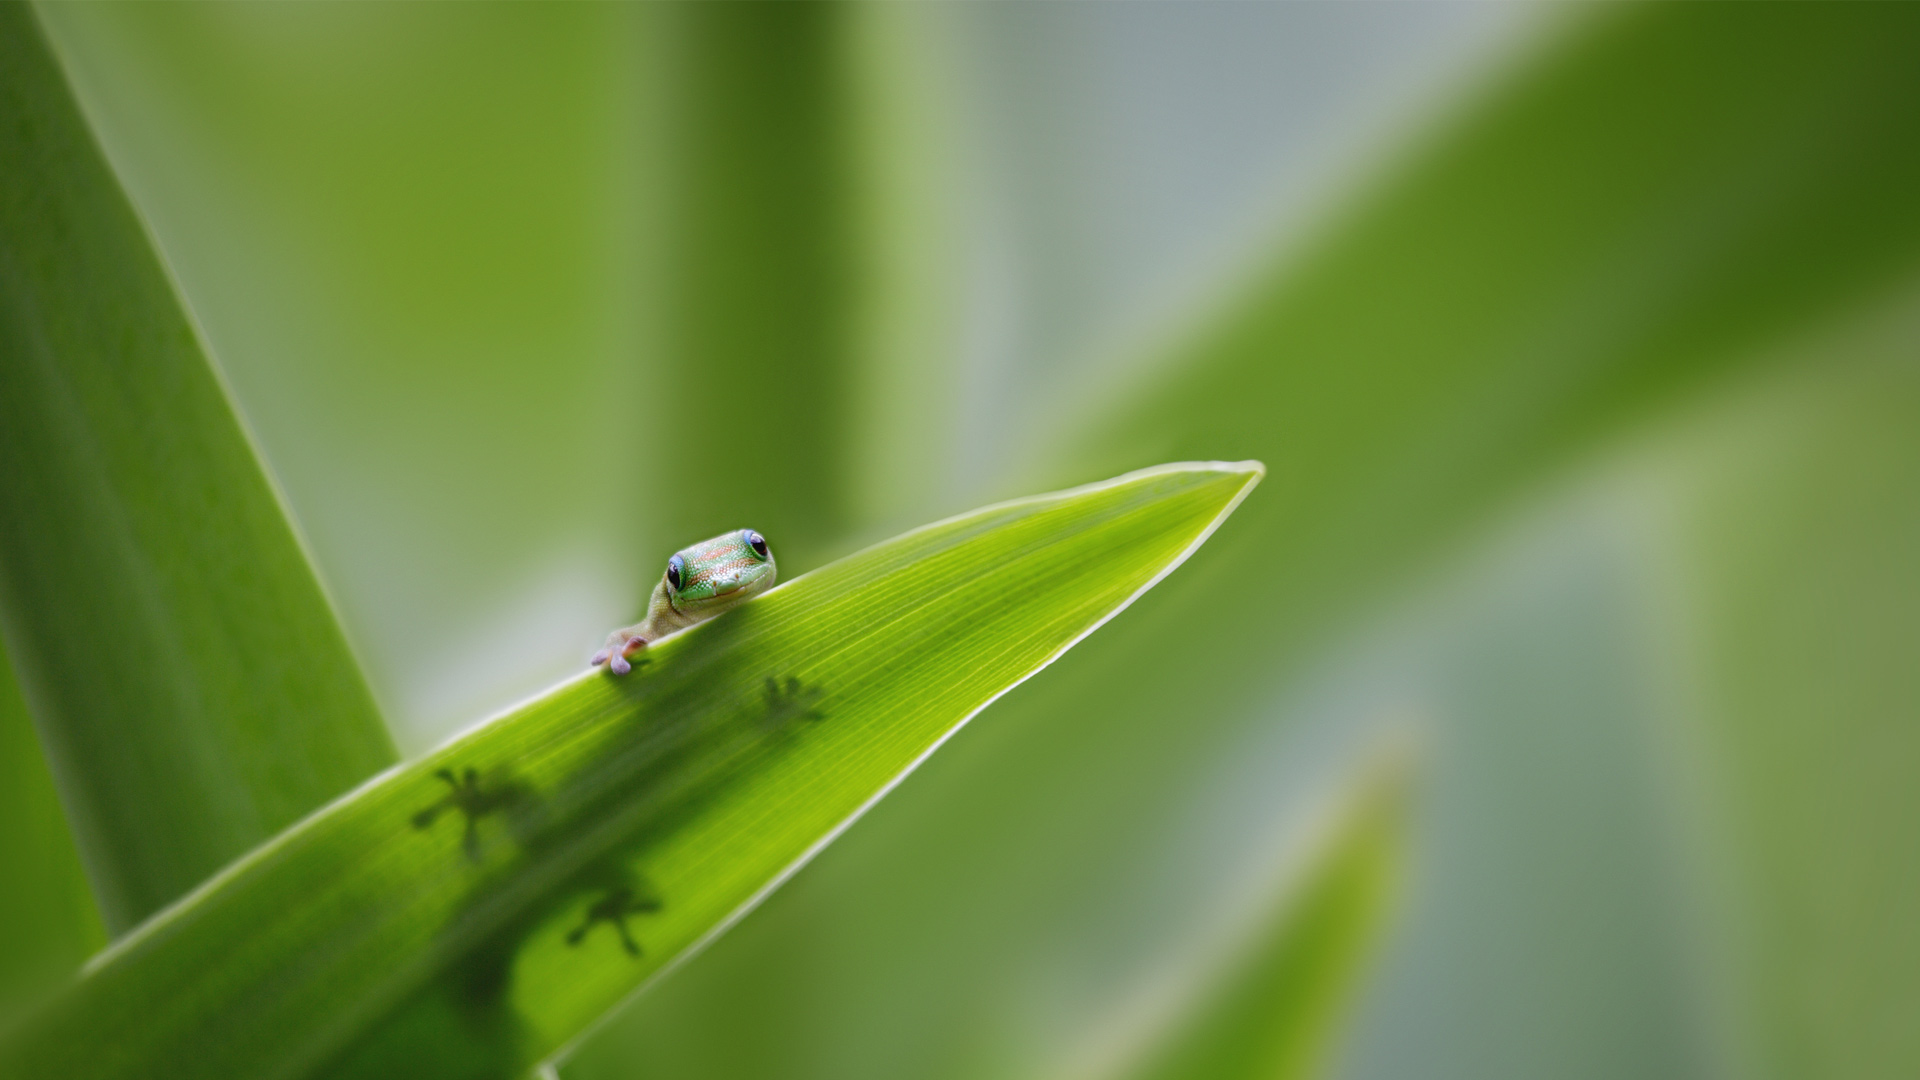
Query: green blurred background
x=1580 y=344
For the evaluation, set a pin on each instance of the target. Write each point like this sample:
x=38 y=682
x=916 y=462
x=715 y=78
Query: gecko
x=700 y=582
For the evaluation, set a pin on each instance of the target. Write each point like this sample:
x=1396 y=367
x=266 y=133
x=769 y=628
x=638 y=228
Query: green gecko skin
x=700 y=582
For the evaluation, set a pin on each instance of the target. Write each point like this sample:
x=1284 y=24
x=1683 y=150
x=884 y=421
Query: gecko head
x=716 y=574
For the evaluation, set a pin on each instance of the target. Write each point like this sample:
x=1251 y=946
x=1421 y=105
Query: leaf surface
x=48 y=924
x=468 y=914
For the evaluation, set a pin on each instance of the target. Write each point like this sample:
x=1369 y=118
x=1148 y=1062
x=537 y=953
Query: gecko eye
x=757 y=542
x=676 y=567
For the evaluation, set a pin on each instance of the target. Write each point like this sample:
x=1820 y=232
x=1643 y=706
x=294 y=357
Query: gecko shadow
x=473 y=800
x=575 y=873
x=480 y=980
x=790 y=700
x=616 y=904
x=623 y=892
x=543 y=833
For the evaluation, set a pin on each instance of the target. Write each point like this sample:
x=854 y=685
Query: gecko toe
x=619 y=665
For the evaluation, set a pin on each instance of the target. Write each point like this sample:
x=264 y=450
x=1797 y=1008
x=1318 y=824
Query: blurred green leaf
x=1636 y=221
x=1631 y=217
x=410 y=235
x=1791 y=507
x=752 y=261
x=48 y=923
x=909 y=345
x=1277 y=1006
x=469 y=914
x=186 y=675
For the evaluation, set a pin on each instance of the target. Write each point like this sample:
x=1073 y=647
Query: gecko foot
x=620 y=645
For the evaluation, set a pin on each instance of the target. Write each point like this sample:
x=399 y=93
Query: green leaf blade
x=48 y=924
x=185 y=671
x=749 y=242
x=1277 y=1010
x=469 y=914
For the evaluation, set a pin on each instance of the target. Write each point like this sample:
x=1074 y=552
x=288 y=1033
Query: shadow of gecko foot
x=614 y=908
x=473 y=801
x=791 y=700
